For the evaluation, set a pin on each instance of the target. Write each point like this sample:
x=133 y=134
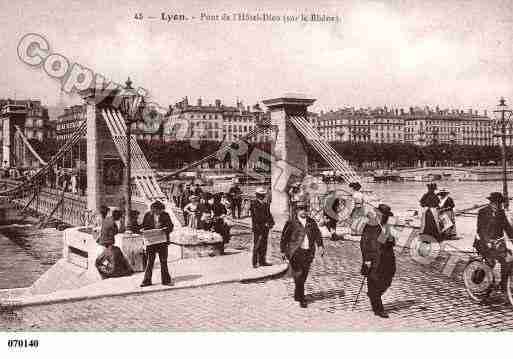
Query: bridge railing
x=72 y=210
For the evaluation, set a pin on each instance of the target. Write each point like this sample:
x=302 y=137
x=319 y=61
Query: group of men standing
x=182 y=193
x=112 y=263
x=301 y=237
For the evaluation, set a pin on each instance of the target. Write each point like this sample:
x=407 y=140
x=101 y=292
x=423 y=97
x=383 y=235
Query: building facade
x=216 y=122
x=31 y=118
x=35 y=123
x=72 y=117
x=417 y=126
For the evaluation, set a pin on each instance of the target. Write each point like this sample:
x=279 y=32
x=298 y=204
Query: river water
x=26 y=252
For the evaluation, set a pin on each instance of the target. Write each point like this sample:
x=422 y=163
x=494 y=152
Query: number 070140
x=22 y=343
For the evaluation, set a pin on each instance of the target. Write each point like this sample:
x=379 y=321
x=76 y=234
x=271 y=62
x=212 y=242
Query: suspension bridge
x=105 y=132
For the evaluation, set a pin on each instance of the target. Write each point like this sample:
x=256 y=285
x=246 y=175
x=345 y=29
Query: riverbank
x=26 y=253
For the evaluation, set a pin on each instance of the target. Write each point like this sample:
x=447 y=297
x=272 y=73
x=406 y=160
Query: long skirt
x=112 y=263
x=429 y=223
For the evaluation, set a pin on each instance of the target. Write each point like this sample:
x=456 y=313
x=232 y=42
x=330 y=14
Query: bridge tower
x=104 y=165
x=12 y=147
x=289 y=156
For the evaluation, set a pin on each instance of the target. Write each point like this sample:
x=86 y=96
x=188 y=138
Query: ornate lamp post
x=502 y=110
x=130 y=102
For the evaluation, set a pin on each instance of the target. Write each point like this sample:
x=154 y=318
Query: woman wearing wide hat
x=192 y=212
x=377 y=246
x=429 y=223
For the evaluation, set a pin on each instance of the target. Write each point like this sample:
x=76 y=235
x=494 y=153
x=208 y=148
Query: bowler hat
x=385 y=210
x=496 y=197
x=431 y=185
x=157 y=204
x=444 y=190
x=301 y=205
x=355 y=185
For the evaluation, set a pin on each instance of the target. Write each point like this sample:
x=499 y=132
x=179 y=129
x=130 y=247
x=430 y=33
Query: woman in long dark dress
x=331 y=216
x=377 y=246
x=429 y=220
x=220 y=212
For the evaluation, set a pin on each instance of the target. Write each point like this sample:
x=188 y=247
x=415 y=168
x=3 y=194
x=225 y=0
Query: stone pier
x=289 y=157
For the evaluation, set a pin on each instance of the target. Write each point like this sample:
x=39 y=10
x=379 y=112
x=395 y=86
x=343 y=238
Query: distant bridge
x=465 y=173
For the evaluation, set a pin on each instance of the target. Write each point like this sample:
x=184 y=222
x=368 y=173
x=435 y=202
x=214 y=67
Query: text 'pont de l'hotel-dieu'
x=246 y=17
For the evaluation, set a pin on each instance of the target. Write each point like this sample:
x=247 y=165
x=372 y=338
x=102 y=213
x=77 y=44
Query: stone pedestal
x=289 y=158
x=187 y=243
x=132 y=246
x=80 y=249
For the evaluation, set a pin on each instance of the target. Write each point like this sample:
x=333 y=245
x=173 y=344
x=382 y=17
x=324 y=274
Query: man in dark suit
x=235 y=194
x=262 y=221
x=157 y=218
x=491 y=225
x=298 y=240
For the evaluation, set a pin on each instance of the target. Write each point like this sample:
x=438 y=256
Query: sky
x=398 y=53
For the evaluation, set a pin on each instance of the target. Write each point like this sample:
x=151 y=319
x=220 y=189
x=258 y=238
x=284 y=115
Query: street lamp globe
x=130 y=101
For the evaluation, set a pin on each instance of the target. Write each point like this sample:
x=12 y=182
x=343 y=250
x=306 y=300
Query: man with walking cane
x=299 y=238
x=364 y=274
x=377 y=246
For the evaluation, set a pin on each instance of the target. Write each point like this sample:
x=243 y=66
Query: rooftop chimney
x=218 y=103
x=199 y=101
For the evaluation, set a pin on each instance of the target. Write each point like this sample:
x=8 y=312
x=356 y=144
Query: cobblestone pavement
x=421 y=298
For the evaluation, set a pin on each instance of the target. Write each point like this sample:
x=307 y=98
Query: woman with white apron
x=447 y=217
x=358 y=218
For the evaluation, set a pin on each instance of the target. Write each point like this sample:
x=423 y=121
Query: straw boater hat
x=260 y=190
x=444 y=190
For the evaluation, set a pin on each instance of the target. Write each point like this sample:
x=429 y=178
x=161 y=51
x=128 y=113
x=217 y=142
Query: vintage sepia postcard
x=255 y=166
